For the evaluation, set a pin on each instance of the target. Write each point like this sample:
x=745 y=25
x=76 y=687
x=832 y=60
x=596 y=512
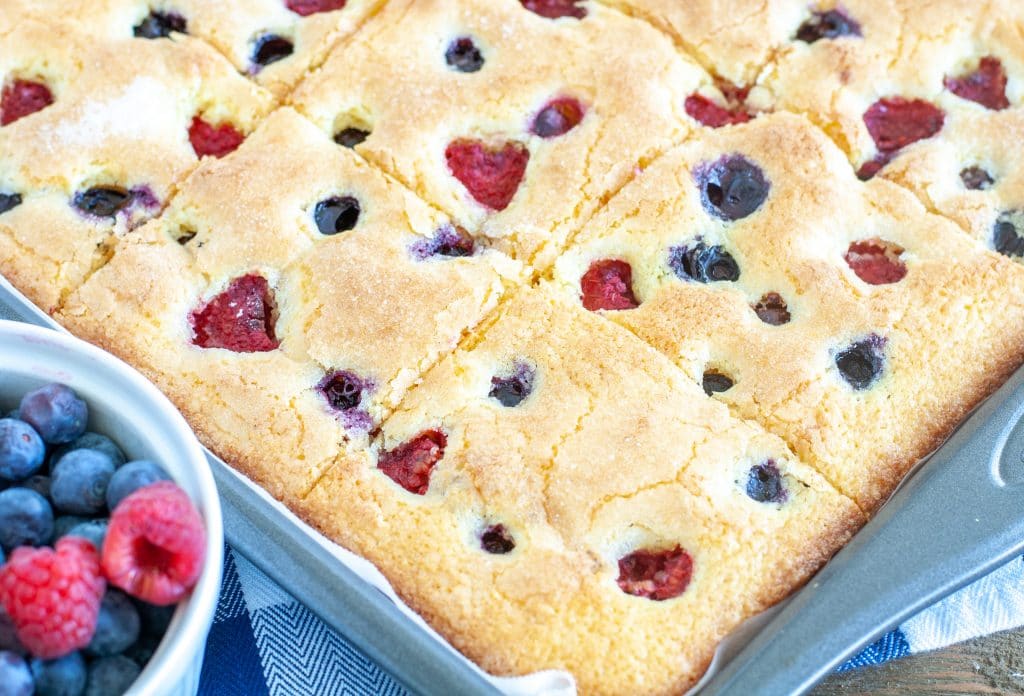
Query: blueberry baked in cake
x=598 y=327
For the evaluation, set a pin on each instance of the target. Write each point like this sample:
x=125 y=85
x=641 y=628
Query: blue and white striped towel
x=264 y=642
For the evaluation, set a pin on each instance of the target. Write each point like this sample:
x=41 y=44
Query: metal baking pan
x=298 y=563
x=958 y=517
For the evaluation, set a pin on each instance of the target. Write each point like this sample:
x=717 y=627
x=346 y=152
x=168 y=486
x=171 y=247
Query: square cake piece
x=517 y=122
x=972 y=171
x=93 y=139
x=901 y=72
x=273 y=41
x=840 y=315
x=556 y=494
x=287 y=298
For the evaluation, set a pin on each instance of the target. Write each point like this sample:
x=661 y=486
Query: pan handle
x=959 y=517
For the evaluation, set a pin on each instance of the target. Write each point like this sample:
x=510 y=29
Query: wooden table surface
x=990 y=665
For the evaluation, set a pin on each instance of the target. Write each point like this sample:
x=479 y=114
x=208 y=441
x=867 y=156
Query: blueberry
x=343 y=390
x=731 y=188
x=158 y=25
x=350 y=137
x=335 y=215
x=976 y=179
x=78 y=484
x=703 y=264
x=1008 y=233
x=142 y=651
x=155 y=620
x=90 y=441
x=26 y=519
x=765 y=484
x=102 y=201
x=131 y=477
x=271 y=48
x=38 y=483
x=8 y=634
x=830 y=24
x=15 y=677
x=111 y=676
x=9 y=201
x=117 y=626
x=464 y=56
x=861 y=363
x=62 y=677
x=510 y=391
x=715 y=382
x=497 y=540
x=448 y=241
x=56 y=412
x=63 y=524
x=93 y=530
x=21 y=450
x=772 y=309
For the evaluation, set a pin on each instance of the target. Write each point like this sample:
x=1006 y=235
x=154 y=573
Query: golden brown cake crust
x=493 y=392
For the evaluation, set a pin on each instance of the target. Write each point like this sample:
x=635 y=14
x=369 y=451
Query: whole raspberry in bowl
x=109 y=437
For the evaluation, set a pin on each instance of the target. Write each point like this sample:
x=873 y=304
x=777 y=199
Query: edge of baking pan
x=298 y=562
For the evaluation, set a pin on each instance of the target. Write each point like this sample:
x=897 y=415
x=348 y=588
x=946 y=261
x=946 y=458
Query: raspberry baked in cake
x=287 y=298
x=556 y=494
x=93 y=139
x=807 y=301
x=272 y=41
x=597 y=325
x=509 y=116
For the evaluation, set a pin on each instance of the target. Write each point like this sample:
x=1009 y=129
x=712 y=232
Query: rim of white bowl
x=186 y=636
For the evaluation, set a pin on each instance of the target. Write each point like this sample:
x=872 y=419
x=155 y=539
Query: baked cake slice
x=93 y=139
x=556 y=494
x=518 y=119
x=840 y=315
x=901 y=73
x=287 y=298
x=273 y=41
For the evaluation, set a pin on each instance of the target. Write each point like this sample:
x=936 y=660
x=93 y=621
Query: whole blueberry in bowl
x=21 y=450
x=55 y=411
x=78 y=484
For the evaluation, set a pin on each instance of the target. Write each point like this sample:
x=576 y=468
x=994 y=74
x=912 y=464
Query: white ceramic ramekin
x=126 y=407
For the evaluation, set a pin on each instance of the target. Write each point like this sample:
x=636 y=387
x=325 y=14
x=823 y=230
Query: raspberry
x=657 y=575
x=553 y=9
x=608 y=284
x=53 y=596
x=215 y=141
x=711 y=114
x=22 y=98
x=241 y=318
x=876 y=261
x=411 y=463
x=305 y=8
x=895 y=122
x=491 y=174
x=155 y=544
x=986 y=85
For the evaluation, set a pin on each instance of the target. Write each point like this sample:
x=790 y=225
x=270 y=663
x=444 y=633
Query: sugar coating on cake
x=245 y=301
x=275 y=42
x=522 y=123
x=94 y=139
x=812 y=328
x=599 y=521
